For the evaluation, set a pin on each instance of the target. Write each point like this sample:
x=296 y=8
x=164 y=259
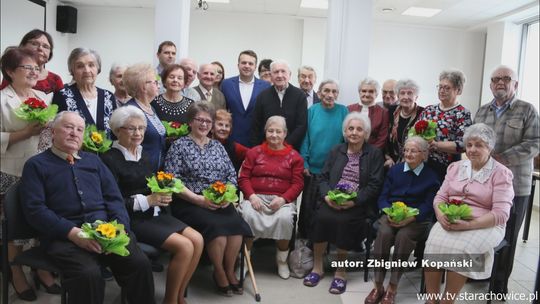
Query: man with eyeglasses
x=388 y=95
x=516 y=124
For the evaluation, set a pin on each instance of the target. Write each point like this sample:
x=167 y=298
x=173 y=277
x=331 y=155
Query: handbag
x=300 y=259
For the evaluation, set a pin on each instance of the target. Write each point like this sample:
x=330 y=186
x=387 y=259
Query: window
x=529 y=78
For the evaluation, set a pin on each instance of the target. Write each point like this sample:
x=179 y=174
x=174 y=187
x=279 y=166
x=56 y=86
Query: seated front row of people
x=70 y=187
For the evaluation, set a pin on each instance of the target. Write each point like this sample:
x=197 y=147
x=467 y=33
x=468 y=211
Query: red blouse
x=267 y=171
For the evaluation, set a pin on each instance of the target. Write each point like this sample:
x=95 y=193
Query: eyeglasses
x=152 y=82
x=30 y=68
x=36 y=44
x=411 y=151
x=444 y=88
x=505 y=79
x=133 y=130
x=203 y=121
x=384 y=92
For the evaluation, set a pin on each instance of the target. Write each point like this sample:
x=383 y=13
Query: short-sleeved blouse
x=451 y=125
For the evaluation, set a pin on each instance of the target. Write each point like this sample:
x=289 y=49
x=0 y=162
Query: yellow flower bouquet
x=220 y=192
x=111 y=236
x=163 y=182
x=399 y=211
x=95 y=141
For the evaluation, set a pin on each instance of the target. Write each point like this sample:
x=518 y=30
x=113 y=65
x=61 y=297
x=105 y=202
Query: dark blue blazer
x=70 y=99
x=153 y=143
x=241 y=117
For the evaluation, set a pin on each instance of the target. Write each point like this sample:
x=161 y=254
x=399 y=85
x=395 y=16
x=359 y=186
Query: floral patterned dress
x=198 y=168
x=451 y=125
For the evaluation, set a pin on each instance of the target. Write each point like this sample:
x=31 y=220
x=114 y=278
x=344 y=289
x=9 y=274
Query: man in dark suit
x=282 y=99
x=307 y=77
x=206 y=89
x=240 y=95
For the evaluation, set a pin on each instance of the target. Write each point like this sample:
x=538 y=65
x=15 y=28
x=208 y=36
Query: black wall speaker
x=66 y=19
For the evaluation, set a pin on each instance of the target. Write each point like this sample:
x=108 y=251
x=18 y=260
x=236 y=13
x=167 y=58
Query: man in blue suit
x=240 y=95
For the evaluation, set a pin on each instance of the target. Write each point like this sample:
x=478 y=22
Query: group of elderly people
x=351 y=146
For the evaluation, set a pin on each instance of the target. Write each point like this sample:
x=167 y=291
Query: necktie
x=208 y=96
x=70 y=159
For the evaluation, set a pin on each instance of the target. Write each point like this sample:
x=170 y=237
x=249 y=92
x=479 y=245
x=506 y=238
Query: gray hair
x=308 y=68
x=480 y=131
x=421 y=143
x=58 y=118
x=406 y=84
x=280 y=61
x=456 y=77
x=327 y=81
x=198 y=107
x=122 y=114
x=280 y=120
x=115 y=66
x=505 y=67
x=370 y=81
x=78 y=53
x=360 y=117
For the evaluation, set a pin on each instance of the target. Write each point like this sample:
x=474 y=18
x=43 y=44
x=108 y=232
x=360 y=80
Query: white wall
x=421 y=53
x=124 y=35
x=222 y=36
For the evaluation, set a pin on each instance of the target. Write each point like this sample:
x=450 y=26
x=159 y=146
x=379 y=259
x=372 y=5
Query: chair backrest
x=15 y=222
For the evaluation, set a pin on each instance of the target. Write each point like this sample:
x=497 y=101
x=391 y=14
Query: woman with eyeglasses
x=19 y=141
x=452 y=119
x=42 y=43
x=200 y=161
x=151 y=220
x=415 y=184
x=141 y=83
x=95 y=105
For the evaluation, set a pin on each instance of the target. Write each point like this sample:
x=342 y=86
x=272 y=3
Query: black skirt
x=343 y=228
x=210 y=223
x=155 y=230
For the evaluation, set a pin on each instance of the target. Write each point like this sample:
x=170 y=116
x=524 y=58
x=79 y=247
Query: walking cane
x=252 y=275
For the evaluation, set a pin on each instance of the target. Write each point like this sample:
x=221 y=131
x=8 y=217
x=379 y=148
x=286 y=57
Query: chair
x=15 y=226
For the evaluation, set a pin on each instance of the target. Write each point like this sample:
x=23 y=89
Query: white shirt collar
x=466 y=173
x=247 y=82
x=416 y=170
x=127 y=155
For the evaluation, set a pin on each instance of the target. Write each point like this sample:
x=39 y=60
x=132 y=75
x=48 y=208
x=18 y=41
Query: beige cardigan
x=14 y=156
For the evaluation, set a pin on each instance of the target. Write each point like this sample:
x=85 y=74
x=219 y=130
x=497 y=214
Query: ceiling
x=455 y=13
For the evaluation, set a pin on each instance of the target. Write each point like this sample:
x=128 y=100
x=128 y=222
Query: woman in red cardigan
x=271 y=180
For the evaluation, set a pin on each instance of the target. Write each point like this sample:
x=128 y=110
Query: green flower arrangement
x=342 y=193
x=175 y=129
x=34 y=109
x=111 y=236
x=219 y=193
x=455 y=210
x=425 y=129
x=164 y=182
x=95 y=140
x=399 y=211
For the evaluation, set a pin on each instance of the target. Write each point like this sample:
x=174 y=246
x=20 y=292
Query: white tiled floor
x=275 y=290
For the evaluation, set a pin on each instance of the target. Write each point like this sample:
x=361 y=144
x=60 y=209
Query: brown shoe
x=389 y=297
x=374 y=296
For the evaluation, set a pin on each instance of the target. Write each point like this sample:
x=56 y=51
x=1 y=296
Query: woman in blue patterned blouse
x=200 y=161
x=95 y=105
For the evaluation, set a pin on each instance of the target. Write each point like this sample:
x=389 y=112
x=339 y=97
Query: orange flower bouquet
x=219 y=193
x=163 y=182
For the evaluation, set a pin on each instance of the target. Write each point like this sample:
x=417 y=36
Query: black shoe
x=225 y=291
x=237 y=289
x=53 y=289
x=26 y=295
